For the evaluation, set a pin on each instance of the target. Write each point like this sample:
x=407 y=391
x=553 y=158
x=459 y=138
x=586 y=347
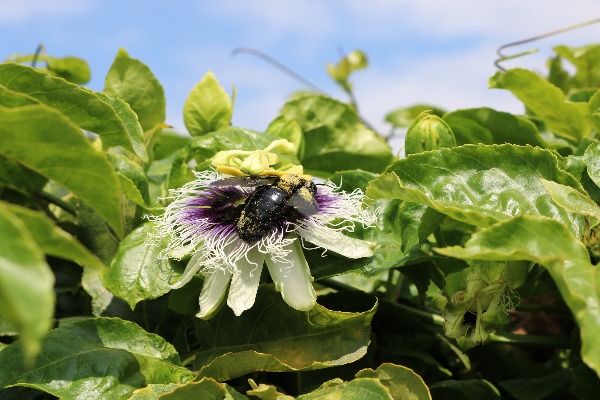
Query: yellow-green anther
x=281 y=146
x=428 y=132
x=230 y=158
x=257 y=161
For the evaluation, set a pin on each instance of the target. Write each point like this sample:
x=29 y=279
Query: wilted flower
x=203 y=220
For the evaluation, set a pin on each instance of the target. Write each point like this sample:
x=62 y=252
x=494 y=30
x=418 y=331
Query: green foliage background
x=488 y=212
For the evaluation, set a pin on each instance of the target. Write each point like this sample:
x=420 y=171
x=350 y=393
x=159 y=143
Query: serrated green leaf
x=80 y=105
x=45 y=141
x=131 y=191
x=551 y=244
x=26 y=285
x=266 y=392
x=271 y=336
x=100 y=358
x=487 y=126
x=208 y=108
x=546 y=101
x=131 y=80
x=479 y=185
x=130 y=123
x=137 y=272
x=134 y=182
x=402 y=382
x=334 y=137
x=152 y=392
x=205 y=388
x=356 y=389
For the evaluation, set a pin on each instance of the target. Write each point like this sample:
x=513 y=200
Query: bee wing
x=303 y=202
x=244 y=181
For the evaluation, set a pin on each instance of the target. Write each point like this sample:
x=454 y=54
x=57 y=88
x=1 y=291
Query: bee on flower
x=247 y=213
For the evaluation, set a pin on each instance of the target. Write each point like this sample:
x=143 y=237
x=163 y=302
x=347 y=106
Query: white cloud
x=17 y=12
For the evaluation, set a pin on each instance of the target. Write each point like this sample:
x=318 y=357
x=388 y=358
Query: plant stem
x=530 y=340
x=436 y=319
x=59 y=202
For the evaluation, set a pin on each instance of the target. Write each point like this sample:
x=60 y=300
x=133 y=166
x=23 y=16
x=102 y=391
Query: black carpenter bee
x=276 y=198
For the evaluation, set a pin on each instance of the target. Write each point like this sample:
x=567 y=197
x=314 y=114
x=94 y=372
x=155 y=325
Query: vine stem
x=436 y=319
x=504 y=57
x=59 y=202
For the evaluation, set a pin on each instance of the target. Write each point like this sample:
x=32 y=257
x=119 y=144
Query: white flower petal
x=213 y=291
x=292 y=278
x=192 y=267
x=244 y=284
x=334 y=240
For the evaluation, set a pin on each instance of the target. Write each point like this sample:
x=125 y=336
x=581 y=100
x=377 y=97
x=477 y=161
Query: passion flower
x=208 y=219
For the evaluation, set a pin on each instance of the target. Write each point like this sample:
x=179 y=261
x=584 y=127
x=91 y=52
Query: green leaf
x=19 y=178
x=487 y=126
x=554 y=384
x=402 y=382
x=350 y=63
x=416 y=222
x=386 y=254
x=53 y=240
x=132 y=127
x=208 y=108
x=133 y=172
x=573 y=200
x=205 y=388
x=101 y=358
x=357 y=389
x=84 y=107
x=271 y=336
x=479 y=185
x=468 y=389
x=26 y=285
x=137 y=272
x=592 y=158
x=289 y=130
x=131 y=80
x=546 y=101
x=586 y=60
x=551 y=244
x=202 y=148
x=72 y=69
x=334 y=137
x=45 y=141
x=403 y=117
x=10 y=98
x=594 y=110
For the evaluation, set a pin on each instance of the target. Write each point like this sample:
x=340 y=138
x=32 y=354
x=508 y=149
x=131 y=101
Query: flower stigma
x=232 y=222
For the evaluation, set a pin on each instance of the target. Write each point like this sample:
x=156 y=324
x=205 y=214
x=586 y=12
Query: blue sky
x=439 y=52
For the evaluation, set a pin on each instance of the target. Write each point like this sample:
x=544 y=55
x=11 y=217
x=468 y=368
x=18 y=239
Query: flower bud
x=428 y=132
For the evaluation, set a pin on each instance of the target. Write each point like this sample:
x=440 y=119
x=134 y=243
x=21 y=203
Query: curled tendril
x=504 y=57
